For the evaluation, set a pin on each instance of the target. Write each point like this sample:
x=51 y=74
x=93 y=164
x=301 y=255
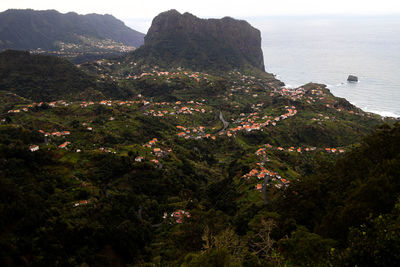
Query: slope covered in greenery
x=46 y=78
x=157 y=178
x=353 y=202
x=30 y=29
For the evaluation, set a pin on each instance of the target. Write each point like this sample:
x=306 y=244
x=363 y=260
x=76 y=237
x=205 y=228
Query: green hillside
x=30 y=29
x=46 y=78
x=156 y=178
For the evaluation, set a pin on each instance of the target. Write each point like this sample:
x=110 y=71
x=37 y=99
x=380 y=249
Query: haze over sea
x=326 y=50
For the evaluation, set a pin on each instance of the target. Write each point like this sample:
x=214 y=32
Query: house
x=64 y=145
x=179 y=215
x=82 y=202
x=33 y=148
x=139 y=159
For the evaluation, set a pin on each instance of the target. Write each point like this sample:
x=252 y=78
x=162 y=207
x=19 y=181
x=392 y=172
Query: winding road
x=226 y=124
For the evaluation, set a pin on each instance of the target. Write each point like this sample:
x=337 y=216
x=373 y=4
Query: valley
x=149 y=159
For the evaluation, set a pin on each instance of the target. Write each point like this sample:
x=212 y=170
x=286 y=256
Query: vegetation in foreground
x=297 y=178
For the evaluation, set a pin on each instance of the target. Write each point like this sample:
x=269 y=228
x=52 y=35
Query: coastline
x=382 y=113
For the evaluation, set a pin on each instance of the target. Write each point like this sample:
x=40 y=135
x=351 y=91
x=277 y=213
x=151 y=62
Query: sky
x=138 y=14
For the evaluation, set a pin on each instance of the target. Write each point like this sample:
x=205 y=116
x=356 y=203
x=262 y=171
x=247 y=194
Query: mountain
x=49 y=78
x=185 y=40
x=49 y=30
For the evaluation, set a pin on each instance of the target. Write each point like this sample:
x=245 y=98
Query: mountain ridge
x=42 y=28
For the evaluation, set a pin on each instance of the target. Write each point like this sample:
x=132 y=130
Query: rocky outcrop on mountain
x=185 y=40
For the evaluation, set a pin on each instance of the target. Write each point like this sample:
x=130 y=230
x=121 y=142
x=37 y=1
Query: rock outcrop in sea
x=352 y=78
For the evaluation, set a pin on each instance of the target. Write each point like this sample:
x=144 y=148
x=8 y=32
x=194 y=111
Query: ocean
x=326 y=50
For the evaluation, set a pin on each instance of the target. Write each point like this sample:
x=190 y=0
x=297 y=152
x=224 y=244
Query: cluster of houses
x=157 y=152
x=262 y=151
x=64 y=145
x=107 y=150
x=177 y=108
x=151 y=143
x=246 y=123
x=81 y=203
x=83 y=104
x=197 y=76
x=55 y=133
x=295 y=94
x=17 y=110
x=33 y=148
x=88 y=46
x=123 y=103
x=323 y=118
x=292 y=94
x=244 y=79
x=40 y=104
x=194 y=133
x=250 y=123
x=261 y=173
x=178 y=215
x=312 y=96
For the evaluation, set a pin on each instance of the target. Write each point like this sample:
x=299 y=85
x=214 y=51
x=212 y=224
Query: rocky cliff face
x=184 y=39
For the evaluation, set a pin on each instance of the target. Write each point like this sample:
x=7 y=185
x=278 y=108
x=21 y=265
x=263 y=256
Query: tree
x=306 y=249
x=226 y=240
x=262 y=242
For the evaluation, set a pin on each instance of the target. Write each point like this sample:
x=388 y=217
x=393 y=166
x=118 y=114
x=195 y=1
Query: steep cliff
x=185 y=40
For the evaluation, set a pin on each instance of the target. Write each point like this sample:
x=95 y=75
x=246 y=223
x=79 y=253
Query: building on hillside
x=33 y=148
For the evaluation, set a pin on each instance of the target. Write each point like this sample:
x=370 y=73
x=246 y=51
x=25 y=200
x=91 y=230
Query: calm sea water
x=327 y=50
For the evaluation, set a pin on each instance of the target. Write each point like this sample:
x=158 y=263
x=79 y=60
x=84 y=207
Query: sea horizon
x=303 y=49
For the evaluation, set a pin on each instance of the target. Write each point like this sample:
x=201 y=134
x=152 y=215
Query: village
x=254 y=121
x=193 y=119
x=86 y=45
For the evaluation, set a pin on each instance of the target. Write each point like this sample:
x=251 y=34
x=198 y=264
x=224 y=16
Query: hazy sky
x=138 y=14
